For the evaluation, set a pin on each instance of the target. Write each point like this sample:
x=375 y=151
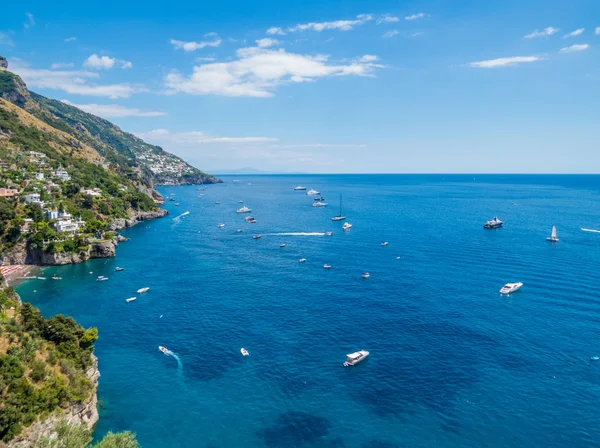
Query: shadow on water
x=295 y=429
x=380 y=444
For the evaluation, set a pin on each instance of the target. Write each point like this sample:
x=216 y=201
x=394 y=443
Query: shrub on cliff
x=78 y=436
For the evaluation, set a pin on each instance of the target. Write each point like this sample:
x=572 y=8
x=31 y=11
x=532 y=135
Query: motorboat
x=354 y=358
x=319 y=198
x=299 y=188
x=101 y=278
x=244 y=352
x=131 y=299
x=282 y=245
x=238 y=230
x=385 y=243
x=220 y=226
x=56 y=277
x=252 y=221
x=302 y=260
x=328 y=233
x=312 y=192
x=118 y=269
x=319 y=204
x=248 y=218
x=143 y=290
x=327 y=266
x=240 y=202
x=346 y=226
x=365 y=275
x=553 y=237
x=177 y=204
x=172 y=199
x=41 y=278
x=257 y=237
x=339 y=217
x=493 y=224
x=244 y=209
x=165 y=350
x=217 y=202
x=510 y=288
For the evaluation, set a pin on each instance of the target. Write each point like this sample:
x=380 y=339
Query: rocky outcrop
x=3 y=63
x=75 y=414
x=17 y=255
x=96 y=249
x=135 y=217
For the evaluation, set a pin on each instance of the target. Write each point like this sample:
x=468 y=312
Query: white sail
x=553 y=232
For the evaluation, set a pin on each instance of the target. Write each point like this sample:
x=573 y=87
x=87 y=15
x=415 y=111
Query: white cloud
x=164 y=136
x=6 y=40
x=205 y=59
x=114 y=110
x=389 y=34
x=258 y=71
x=504 y=62
x=57 y=65
x=342 y=25
x=368 y=58
x=30 y=21
x=417 y=34
x=105 y=62
x=76 y=82
x=193 y=46
x=275 y=30
x=577 y=32
x=574 y=48
x=417 y=16
x=548 y=31
x=211 y=34
x=267 y=42
x=317 y=145
x=598 y=30
x=386 y=18
x=70 y=39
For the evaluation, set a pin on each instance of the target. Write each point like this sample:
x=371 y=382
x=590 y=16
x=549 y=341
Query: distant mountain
x=124 y=152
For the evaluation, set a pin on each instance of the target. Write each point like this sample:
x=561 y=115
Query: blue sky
x=329 y=86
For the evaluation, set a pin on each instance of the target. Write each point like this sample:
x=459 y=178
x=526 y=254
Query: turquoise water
x=452 y=362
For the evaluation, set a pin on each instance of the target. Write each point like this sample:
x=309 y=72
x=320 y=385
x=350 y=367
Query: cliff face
x=81 y=413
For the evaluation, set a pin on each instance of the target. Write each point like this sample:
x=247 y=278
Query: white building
x=51 y=214
x=95 y=192
x=67 y=225
x=39 y=155
x=32 y=198
x=65 y=215
x=39 y=176
x=62 y=174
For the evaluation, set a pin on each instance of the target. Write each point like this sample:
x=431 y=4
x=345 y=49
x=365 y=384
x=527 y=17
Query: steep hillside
x=122 y=151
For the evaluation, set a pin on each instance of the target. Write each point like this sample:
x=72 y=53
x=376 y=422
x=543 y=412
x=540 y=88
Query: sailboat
x=553 y=238
x=339 y=217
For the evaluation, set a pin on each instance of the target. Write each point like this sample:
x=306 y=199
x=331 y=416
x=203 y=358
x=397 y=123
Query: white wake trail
x=297 y=234
x=177 y=218
x=590 y=230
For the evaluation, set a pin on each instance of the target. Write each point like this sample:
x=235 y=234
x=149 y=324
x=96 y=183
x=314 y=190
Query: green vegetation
x=42 y=364
x=80 y=437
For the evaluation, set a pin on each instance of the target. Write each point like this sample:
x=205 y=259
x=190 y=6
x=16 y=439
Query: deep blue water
x=452 y=362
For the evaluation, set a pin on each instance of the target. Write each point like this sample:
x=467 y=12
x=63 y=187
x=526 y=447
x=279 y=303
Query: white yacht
x=553 y=237
x=319 y=204
x=244 y=209
x=239 y=230
x=328 y=233
x=365 y=275
x=346 y=226
x=244 y=352
x=131 y=299
x=220 y=226
x=101 y=278
x=240 y=202
x=302 y=260
x=356 y=357
x=143 y=290
x=312 y=192
x=257 y=237
x=339 y=217
x=510 y=288
x=327 y=266
x=248 y=218
x=165 y=350
x=282 y=245
x=385 y=243
x=299 y=188
x=493 y=224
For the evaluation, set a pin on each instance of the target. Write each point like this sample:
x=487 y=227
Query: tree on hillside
x=78 y=436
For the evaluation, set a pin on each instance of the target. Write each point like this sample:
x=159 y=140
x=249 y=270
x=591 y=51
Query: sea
x=452 y=362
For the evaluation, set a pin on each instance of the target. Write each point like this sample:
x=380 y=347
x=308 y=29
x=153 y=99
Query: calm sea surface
x=452 y=362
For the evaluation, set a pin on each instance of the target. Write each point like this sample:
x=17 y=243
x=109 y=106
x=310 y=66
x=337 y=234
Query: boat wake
x=177 y=218
x=168 y=352
x=590 y=230
x=297 y=234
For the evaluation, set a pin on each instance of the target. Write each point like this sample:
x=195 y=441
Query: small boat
x=302 y=260
x=252 y=221
x=131 y=299
x=56 y=277
x=299 y=188
x=385 y=243
x=117 y=269
x=165 y=350
x=282 y=245
x=238 y=230
x=553 y=238
x=339 y=217
x=346 y=226
x=143 y=290
x=41 y=278
x=220 y=226
x=319 y=198
x=244 y=209
x=172 y=199
x=319 y=204
x=177 y=204
x=510 y=288
x=365 y=275
x=240 y=202
x=356 y=357
x=326 y=266
x=248 y=218
x=312 y=193
x=101 y=278
x=328 y=233
x=217 y=202
x=493 y=224
x=244 y=352
x=257 y=237
x=595 y=358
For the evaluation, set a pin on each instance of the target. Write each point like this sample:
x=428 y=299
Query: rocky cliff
x=135 y=217
x=80 y=413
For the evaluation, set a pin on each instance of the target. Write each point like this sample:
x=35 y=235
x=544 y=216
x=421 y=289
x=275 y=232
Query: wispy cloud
x=105 y=62
x=30 y=21
x=193 y=46
x=267 y=42
x=258 y=71
x=162 y=136
x=390 y=33
x=574 y=48
x=597 y=30
x=504 y=62
x=577 y=32
x=70 y=39
x=317 y=145
x=57 y=65
x=420 y=15
x=274 y=30
x=341 y=25
x=114 y=110
x=387 y=18
x=206 y=59
x=6 y=40
x=548 y=31
x=417 y=34
x=76 y=82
